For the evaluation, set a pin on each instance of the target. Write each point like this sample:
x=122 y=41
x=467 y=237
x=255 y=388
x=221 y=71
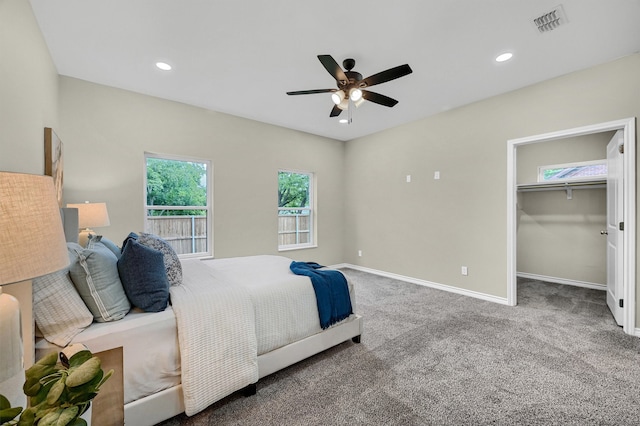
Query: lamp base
x=83 y=236
x=11 y=351
x=12 y=390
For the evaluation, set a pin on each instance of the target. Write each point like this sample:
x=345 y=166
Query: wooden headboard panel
x=70 y=224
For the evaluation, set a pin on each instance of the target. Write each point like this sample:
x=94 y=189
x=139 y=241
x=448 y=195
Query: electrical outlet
x=359 y=253
x=436 y=175
x=464 y=270
x=408 y=178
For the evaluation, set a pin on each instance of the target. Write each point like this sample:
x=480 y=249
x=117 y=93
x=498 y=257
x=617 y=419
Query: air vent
x=550 y=20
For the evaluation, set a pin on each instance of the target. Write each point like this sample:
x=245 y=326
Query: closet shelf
x=554 y=186
x=563 y=186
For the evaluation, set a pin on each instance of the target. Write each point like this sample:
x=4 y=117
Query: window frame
x=541 y=170
x=313 y=238
x=209 y=207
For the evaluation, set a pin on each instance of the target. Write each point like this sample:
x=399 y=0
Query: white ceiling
x=240 y=57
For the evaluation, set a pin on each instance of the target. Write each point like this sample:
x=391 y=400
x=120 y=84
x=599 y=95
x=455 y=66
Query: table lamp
x=90 y=215
x=32 y=244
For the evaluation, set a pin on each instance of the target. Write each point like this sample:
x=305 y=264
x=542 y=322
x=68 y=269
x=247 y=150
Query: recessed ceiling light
x=343 y=121
x=163 y=66
x=504 y=57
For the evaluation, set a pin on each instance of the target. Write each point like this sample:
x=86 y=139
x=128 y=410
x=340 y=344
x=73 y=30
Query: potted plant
x=58 y=392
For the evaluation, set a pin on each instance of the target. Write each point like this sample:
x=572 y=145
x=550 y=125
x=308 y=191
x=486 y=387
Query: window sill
x=201 y=256
x=299 y=247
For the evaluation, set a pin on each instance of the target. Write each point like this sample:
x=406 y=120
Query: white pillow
x=59 y=311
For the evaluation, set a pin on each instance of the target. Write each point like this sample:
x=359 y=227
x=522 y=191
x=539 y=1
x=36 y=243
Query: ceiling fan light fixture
x=338 y=97
x=355 y=94
x=344 y=104
x=359 y=102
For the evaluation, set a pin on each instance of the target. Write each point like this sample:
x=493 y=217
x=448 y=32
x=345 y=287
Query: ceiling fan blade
x=335 y=111
x=334 y=69
x=378 y=98
x=388 y=75
x=310 y=92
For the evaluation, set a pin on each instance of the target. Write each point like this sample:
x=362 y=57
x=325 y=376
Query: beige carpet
x=429 y=357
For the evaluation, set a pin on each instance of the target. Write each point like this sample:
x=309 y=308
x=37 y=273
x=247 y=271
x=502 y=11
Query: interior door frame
x=628 y=126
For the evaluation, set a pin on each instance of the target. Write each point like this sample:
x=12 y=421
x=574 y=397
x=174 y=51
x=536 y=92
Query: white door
x=615 y=235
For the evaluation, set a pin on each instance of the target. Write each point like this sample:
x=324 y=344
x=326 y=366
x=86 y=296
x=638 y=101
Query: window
x=585 y=170
x=295 y=210
x=178 y=203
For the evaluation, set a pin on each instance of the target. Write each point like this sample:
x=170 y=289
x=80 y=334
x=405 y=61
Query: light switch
x=408 y=178
x=436 y=175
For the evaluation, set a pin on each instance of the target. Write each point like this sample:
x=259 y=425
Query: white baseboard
x=444 y=287
x=556 y=280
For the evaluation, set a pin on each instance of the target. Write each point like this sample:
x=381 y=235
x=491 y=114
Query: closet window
x=178 y=203
x=571 y=172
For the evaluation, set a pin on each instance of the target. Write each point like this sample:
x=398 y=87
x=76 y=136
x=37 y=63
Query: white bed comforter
x=216 y=334
x=228 y=312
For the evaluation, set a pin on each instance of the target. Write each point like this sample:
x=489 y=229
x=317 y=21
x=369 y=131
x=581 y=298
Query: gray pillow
x=59 y=311
x=171 y=261
x=94 y=273
x=99 y=239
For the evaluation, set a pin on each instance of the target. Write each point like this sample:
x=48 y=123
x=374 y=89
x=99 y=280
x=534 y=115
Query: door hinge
x=621 y=226
x=621 y=148
x=621 y=303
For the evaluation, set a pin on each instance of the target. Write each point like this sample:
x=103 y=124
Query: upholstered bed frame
x=165 y=404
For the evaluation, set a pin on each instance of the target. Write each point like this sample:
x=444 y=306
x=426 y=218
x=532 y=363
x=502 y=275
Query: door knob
x=604 y=232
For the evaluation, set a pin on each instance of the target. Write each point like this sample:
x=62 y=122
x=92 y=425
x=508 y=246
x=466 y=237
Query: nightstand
x=107 y=409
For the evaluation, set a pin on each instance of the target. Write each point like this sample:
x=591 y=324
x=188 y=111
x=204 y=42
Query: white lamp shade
x=32 y=240
x=92 y=215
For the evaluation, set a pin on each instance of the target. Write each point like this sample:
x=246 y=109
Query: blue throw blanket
x=332 y=291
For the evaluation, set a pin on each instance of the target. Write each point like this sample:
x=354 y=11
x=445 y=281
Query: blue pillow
x=99 y=239
x=95 y=276
x=143 y=276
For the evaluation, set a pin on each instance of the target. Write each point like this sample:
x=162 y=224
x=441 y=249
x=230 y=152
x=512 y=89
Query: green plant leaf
x=8 y=414
x=67 y=416
x=84 y=373
x=49 y=359
x=4 y=402
x=38 y=371
x=28 y=416
x=79 y=358
x=42 y=393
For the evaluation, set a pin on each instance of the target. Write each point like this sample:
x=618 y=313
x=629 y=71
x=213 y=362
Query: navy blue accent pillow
x=143 y=276
x=131 y=236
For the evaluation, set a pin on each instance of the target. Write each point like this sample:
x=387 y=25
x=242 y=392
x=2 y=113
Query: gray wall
x=428 y=229
x=560 y=237
x=28 y=89
x=106 y=131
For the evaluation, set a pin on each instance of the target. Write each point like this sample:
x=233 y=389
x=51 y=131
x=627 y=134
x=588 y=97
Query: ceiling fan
x=351 y=85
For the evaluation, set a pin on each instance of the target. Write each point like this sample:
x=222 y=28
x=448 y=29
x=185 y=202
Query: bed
x=158 y=362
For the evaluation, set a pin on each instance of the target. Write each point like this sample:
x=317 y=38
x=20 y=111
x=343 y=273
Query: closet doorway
x=622 y=283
